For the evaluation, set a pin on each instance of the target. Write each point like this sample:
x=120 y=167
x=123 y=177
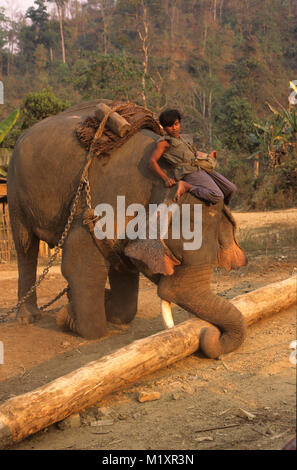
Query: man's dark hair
x=169 y=116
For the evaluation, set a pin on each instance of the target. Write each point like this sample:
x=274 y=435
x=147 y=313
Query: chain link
x=83 y=182
x=64 y=291
x=52 y=259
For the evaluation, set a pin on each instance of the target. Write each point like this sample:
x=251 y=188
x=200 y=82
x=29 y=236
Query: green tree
x=108 y=76
x=39 y=105
x=234 y=121
x=36 y=34
x=35 y=107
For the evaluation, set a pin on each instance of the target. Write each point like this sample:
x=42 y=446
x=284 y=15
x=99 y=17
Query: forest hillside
x=226 y=64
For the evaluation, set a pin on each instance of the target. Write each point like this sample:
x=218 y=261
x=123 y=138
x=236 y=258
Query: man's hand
x=169 y=182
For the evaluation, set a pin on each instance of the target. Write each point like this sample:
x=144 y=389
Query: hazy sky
x=21 y=5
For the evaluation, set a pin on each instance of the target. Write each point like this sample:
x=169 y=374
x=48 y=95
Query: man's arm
x=153 y=163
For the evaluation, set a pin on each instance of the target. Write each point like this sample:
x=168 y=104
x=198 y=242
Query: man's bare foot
x=182 y=188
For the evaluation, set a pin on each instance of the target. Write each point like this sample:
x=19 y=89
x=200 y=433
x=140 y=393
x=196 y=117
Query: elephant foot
x=209 y=342
x=28 y=314
x=64 y=319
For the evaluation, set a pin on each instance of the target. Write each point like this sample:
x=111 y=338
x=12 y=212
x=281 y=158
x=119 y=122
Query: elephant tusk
x=167 y=314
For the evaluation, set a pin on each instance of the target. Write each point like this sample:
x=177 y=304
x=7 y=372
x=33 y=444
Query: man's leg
x=227 y=187
x=204 y=187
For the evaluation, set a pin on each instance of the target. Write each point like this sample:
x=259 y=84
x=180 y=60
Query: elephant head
x=185 y=276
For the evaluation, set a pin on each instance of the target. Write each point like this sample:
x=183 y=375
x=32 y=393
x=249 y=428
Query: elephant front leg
x=190 y=289
x=27 y=266
x=121 y=299
x=84 y=268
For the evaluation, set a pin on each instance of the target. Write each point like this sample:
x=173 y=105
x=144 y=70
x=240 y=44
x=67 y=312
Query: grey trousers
x=211 y=187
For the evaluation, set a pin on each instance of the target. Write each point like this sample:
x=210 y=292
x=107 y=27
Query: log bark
x=116 y=123
x=27 y=414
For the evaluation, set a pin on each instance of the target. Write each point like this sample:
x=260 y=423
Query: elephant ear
x=155 y=254
x=229 y=255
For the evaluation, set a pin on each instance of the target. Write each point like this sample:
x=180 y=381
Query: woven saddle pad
x=137 y=116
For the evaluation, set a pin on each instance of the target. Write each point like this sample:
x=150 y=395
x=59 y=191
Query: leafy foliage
x=35 y=107
x=234 y=119
x=7 y=124
x=277 y=146
x=277 y=136
x=5 y=155
x=40 y=105
x=217 y=61
x=115 y=76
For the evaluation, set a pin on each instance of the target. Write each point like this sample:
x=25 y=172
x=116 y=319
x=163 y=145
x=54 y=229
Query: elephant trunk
x=230 y=327
x=191 y=291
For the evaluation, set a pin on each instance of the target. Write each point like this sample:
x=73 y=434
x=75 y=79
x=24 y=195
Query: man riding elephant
x=44 y=172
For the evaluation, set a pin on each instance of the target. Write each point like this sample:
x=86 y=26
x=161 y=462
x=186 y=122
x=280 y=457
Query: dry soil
x=200 y=399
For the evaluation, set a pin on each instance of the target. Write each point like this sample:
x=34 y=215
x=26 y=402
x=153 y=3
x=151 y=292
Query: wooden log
x=116 y=123
x=27 y=414
x=268 y=300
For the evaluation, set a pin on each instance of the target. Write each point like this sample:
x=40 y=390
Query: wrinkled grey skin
x=44 y=173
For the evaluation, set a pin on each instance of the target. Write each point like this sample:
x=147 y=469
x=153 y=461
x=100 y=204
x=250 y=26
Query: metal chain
x=52 y=259
x=84 y=181
x=64 y=291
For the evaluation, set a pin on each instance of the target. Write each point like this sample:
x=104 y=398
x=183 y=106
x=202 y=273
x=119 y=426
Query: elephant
x=44 y=173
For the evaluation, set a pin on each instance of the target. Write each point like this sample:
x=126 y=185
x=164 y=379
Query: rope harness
x=107 y=247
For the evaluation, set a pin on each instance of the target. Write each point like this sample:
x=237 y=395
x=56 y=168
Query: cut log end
x=6 y=438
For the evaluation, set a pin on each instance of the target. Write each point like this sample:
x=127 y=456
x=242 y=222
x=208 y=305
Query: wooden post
x=256 y=167
x=26 y=414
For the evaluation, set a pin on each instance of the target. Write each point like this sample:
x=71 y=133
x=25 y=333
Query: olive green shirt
x=180 y=154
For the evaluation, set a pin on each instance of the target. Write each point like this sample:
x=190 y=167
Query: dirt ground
x=200 y=399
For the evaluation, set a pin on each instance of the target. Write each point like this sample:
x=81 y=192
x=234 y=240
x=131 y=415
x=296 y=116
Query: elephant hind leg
x=84 y=268
x=121 y=300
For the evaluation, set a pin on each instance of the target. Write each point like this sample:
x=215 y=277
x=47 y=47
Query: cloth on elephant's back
x=137 y=116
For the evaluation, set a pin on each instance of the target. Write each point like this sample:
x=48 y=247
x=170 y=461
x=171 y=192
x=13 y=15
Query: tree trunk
x=221 y=9
x=215 y=10
x=27 y=414
x=60 y=15
x=103 y=5
x=144 y=36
